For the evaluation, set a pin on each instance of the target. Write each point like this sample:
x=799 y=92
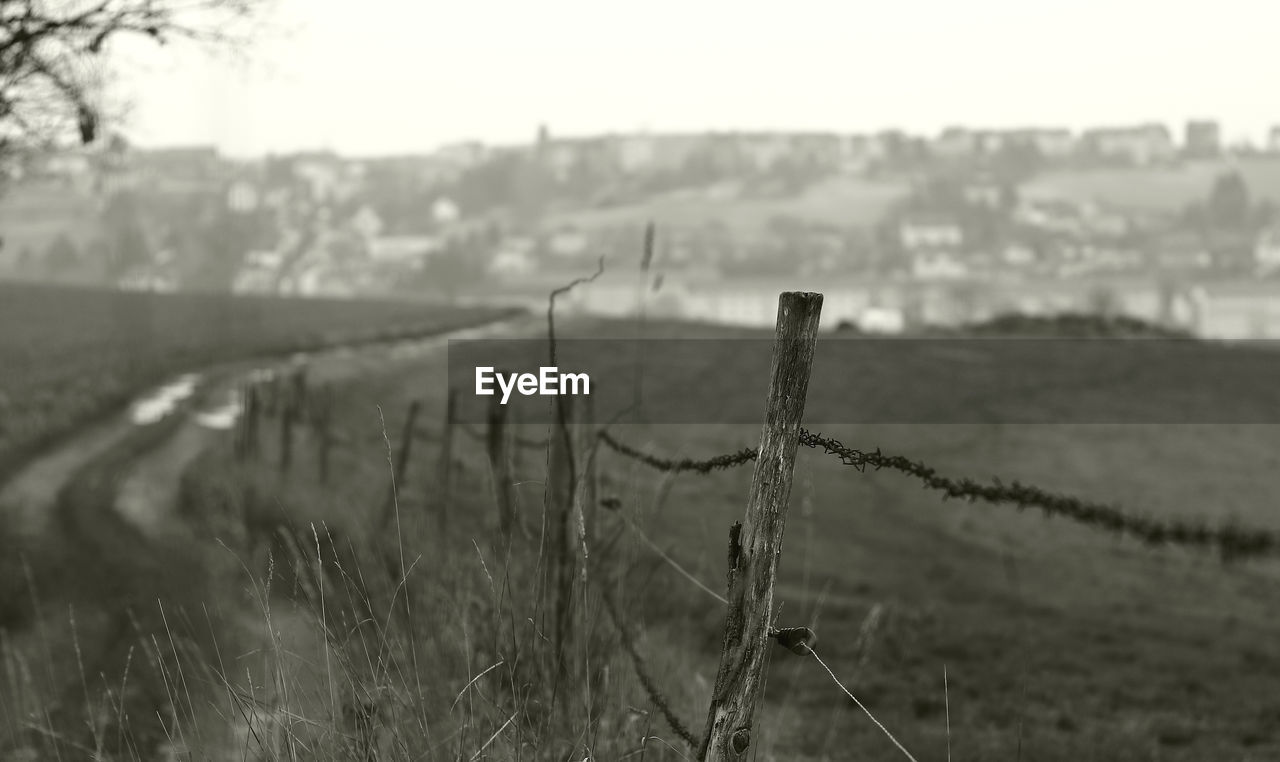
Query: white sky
x=391 y=76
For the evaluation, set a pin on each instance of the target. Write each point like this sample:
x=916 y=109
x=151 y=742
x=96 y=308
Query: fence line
x=1231 y=541
x=638 y=662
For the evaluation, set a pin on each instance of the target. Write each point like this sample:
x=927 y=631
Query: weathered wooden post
x=400 y=469
x=558 y=546
x=299 y=391
x=498 y=444
x=322 y=416
x=253 y=415
x=271 y=396
x=241 y=442
x=755 y=544
x=444 y=466
x=288 y=414
x=588 y=485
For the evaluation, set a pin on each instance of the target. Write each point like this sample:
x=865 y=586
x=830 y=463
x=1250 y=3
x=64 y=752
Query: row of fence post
x=570 y=504
x=293 y=403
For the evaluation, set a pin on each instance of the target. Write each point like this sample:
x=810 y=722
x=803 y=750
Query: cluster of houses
x=1135 y=145
x=328 y=237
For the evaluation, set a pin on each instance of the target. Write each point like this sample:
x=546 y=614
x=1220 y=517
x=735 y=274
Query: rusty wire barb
x=656 y=695
x=719 y=462
x=1231 y=541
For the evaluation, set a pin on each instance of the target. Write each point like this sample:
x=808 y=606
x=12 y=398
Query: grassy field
x=1156 y=189
x=843 y=201
x=1058 y=642
x=68 y=354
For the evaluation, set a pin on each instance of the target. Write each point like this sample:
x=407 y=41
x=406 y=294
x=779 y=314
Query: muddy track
x=102 y=510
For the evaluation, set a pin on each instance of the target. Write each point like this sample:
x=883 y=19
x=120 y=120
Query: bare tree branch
x=53 y=54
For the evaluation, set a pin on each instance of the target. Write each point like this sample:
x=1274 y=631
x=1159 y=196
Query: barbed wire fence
x=728 y=731
x=1232 y=541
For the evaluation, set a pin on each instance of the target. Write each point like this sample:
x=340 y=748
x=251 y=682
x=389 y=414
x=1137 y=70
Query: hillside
x=1059 y=642
x=841 y=201
x=1156 y=188
x=67 y=354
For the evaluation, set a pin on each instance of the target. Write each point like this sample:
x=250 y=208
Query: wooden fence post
x=558 y=531
x=288 y=413
x=240 y=444
x=498 y=442
x=322 y=416
x=754 y=546
x=400 y=469
x=271 y=396
x=253 y=413
x=299 y=391
x=444 y=466
x=589 y=486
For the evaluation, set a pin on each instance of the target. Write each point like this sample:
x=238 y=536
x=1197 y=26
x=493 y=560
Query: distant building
x=513 y=258
x=636 y=153
x=560 y=158
x=1139 y=145
x=1202 y=140
x=937 y=265
x=923 y=233
x=961 y=142
x=1050 y=142
x=567 y=242
x=672 y=152
x=816 y=149
x=327 y=175
x=367 y=222
x=464 y=155
x=1266 y=252
x=445 y=212
x=243 y=196
x=859 y=152
x=764 y=151
x=955 y=143
x=410 y=251
x=186 y=168
x=985 y=193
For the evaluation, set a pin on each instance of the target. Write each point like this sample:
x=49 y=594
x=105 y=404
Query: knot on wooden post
x=797 y=640
x=740 y=740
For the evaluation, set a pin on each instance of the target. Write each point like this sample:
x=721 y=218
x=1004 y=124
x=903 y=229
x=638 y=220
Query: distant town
x=965 y=206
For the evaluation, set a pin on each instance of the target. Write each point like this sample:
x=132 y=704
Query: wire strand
x=865 y=711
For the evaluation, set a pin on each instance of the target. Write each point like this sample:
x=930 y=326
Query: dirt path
x=108 y=497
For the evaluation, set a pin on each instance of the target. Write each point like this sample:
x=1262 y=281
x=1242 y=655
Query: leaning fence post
x=755 y=545
x=559 y=562
x=589 y=487
x=444 y=466
x=288 y=413
x=323 y=417
x=498 y=443
x=253 y=412
x=240 y=442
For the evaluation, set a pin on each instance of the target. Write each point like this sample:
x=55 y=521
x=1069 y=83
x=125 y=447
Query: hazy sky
x=391 y=76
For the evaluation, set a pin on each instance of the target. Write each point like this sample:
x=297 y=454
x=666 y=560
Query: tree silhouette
x=52 y=77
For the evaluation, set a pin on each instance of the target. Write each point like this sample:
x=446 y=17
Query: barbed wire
x=717 y=463
x=646 y=680
x=1232 y=541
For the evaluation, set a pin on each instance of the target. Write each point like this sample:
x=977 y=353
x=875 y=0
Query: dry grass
x=1057 y=644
